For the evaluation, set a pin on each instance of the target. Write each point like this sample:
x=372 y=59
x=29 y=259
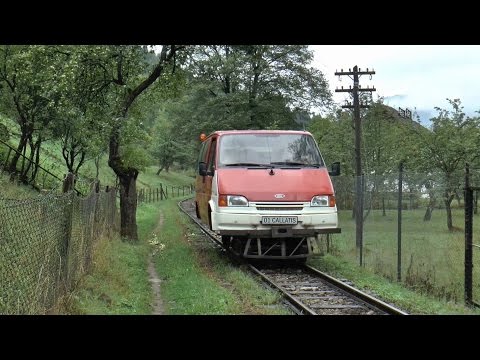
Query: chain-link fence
x=415 y=236
x=46 y=245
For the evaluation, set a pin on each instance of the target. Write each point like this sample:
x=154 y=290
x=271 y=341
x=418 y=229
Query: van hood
x=298 y=184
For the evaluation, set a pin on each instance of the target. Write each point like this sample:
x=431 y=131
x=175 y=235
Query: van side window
x=203 y=154
x=203 y=149
x=211 y=156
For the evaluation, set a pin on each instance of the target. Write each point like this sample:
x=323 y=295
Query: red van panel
x=297 y=184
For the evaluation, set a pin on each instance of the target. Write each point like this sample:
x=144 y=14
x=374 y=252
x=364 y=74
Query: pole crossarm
x=338 y=73
x=353 y=106
x=353 y=89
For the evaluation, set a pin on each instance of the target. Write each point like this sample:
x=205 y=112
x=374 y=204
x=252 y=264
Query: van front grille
x=286 y=208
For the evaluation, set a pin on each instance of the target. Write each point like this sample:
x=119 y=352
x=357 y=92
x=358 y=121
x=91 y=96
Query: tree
x=452 y=140
x=32 y=82
x=385 y=145
x=385 y=141
x=82 y=122
x=169 y=148
x=253 y=86
x=334 y=135
x=122 y=74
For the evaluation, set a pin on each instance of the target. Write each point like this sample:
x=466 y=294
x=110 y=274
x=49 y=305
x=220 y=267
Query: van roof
x=227 y=132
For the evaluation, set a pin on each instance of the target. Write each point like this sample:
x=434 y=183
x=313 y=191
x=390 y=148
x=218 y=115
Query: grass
x=10 y=190
x=432 y=257
x=408 y=300
x=198 y=280
x=195 y=280
x=149 y=178
x=118 y=282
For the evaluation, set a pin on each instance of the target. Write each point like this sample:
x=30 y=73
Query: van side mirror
x=335 y=169
x=202 y=168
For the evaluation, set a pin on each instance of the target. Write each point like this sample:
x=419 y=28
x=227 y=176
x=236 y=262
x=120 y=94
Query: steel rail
x=368 y=299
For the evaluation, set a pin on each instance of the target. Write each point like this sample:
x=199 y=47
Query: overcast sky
x=408 y=76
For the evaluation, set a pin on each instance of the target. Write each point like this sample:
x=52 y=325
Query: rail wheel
x=237 y=244
x=226 y=241
x=210 y=218
x=196 y=210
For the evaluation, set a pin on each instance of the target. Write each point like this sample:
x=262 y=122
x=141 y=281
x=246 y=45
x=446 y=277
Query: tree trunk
x=68 y=183
x=448 y=202
x=128 y=205
x=383 y=206
x=128 y=190
x=430 y=207
x=97 y=166
x=252 y=97
x=24 y=174
x=36 y=163
x=428 y=213
x=80 y=161
x=16 y=155
x=449 y=215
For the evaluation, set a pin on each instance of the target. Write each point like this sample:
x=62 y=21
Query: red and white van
x=268 y=193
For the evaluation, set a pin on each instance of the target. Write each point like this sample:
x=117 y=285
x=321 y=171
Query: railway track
x=307 y=290
x=316 y=293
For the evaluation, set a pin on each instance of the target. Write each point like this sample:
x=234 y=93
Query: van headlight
x=232 y=200
x=323 y=200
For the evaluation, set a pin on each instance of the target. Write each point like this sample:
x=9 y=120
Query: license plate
x=279 y=220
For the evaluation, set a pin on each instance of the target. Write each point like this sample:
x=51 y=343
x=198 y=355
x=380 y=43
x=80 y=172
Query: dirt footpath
x=158 y=308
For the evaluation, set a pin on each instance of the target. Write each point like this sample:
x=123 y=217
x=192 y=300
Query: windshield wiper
x=293 y=163
x=250 y=164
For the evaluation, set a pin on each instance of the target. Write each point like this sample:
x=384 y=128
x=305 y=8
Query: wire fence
x=28 y=172
x=46 y=245
x=148 y=195
x=415 y=236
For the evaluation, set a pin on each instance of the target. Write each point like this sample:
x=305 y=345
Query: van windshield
x=271 y=150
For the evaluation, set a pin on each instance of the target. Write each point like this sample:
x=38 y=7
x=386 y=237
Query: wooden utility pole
x=358 y=138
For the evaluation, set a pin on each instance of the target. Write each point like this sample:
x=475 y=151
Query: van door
x=200 y=179
x=207 y=181
x=204 y=182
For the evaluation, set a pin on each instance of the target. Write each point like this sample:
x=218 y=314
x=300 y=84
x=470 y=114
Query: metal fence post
x=468 y=238
x=399 y=229
x=64 y=276
x=358 y=211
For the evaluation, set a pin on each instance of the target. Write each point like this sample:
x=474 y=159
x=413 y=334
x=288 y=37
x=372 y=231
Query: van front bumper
x=238 y=224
